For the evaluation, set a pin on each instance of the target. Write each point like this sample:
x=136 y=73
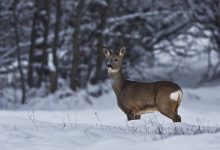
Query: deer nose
x=109 y=66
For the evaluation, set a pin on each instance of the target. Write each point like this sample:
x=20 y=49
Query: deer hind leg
x=175 y=108
x=167 y=111
x=168 y=107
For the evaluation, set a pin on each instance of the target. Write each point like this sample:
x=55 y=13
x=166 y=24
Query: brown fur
x=136 y=98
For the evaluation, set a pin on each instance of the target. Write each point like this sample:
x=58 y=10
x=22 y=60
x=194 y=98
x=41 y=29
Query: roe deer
x=137 y=98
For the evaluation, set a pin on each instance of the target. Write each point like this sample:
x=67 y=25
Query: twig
x=99 y=120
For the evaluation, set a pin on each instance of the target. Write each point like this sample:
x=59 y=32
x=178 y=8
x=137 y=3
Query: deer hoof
x=177 y=119
x=133 y=117
x=130 y=117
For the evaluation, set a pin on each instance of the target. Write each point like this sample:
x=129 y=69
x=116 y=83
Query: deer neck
x=117 y=81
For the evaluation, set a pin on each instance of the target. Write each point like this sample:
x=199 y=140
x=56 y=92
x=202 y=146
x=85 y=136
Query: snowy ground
x=101 y=127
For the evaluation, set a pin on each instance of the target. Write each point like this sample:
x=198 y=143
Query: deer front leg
x=130 y=117
x=130 y=114
x=137 y=117
x=133 y=117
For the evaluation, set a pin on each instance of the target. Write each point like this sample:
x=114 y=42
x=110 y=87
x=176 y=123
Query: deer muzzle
x=109 y=66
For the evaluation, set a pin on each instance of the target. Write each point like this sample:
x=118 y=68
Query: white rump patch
x=176 y=95
x=50 y=63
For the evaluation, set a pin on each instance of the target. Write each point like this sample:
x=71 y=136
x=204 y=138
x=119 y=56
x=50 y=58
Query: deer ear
x=106 y=52
x=122 y=51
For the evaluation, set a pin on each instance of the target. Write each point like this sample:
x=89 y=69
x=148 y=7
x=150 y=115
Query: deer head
x=114 y=59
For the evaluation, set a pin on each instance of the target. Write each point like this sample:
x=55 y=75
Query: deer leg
x=177 y=118
x=131 y=117
x=137 y=117
x=130 y=114
x=166 y=111
x=175 y=108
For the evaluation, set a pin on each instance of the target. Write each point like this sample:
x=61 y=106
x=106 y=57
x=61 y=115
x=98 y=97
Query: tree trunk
x=74 y=83
x=99 y=58
x=54 y=74
x=46 y=31
x=32 y=47
x=23 y=99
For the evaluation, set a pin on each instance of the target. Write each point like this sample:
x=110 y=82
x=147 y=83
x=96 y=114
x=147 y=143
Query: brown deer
x=137 y=98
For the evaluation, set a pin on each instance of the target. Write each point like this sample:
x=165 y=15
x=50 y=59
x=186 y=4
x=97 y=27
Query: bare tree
x=76 y=47
x=44 y=55
x=32 y=46
x=146 y=27
x=17 y=40
x=54 y=74
x=207 y=14
x=99 y=35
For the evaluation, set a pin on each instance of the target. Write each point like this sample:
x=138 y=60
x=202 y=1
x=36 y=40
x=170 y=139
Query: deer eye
x=115 y=59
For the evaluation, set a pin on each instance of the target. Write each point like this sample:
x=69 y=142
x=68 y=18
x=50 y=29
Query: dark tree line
x=43 y=41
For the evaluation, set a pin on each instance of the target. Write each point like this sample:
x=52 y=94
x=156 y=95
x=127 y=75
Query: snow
x=104 y=126
x=50 y=63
